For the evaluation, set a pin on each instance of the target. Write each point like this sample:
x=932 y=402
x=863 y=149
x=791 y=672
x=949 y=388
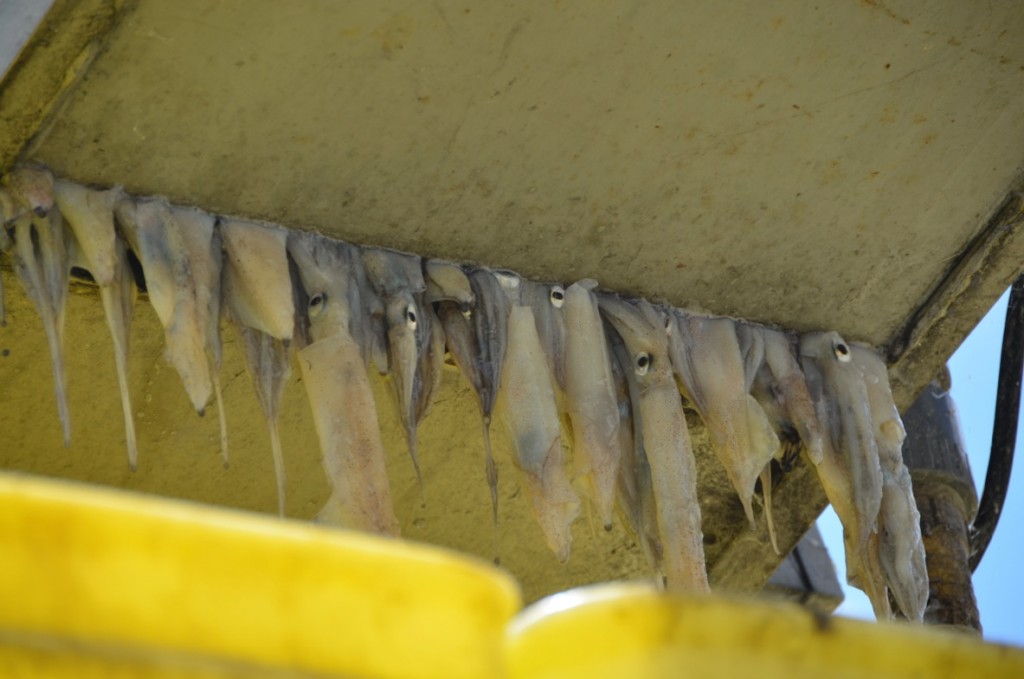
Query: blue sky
x=997 y=585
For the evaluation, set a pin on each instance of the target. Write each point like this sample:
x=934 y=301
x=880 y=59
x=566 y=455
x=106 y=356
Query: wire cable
x=1004 y=428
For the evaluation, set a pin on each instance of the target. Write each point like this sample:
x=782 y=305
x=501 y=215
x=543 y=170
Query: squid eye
x=316 y=304
x=410 y=317
x=643 y=363
x=841 y=351
x=557 y=296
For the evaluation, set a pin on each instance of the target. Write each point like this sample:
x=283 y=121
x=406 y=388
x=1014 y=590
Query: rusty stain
x=875 y=4
x=920 y=118
x=953 y=41
x=888 y=114
x=777 y=22
x=929 y=138
x=425 y=99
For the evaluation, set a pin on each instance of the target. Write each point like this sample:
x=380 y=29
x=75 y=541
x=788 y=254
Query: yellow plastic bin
x=632 y=631
x=106 y=583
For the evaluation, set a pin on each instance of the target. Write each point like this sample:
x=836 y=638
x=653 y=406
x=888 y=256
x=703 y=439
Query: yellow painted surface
x=628 y=630
x=176 y=586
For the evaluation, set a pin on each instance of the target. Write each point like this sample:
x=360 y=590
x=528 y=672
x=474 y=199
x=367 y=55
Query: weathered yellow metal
x=114 y=576
x=628 y=630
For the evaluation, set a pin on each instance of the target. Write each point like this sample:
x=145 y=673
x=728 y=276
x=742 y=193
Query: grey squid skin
x=477 y=339
x=900 y=546
x=635 y=489
x=777 y=383
x=529 y=408
x=42 y=265
x=590 y=397
x=97 y=248
x=710 y=370
x=259 y=300
x=850 y=471
x=334 y=366
x=397 y=279
x=174 y=292
x=666 y=441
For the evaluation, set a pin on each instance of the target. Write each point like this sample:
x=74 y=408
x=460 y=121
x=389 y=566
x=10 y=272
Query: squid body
x=90 y=215
x=530 y=411
x=591 y=397
x=42 y=264
x=666 y=441
x=258 y=297
x=333 y=367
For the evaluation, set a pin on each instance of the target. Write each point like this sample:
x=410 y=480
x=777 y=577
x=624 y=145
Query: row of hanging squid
x=590 y=386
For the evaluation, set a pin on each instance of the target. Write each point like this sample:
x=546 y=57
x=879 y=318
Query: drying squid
x=635 y=487
x=477 y=339
x=780 y=387
x=90 y=215
x=334 y=374
x=258 y=296
x=849 y=471
x=710 y=368
x=397 y=279
x=446 y=283
x=530 y=411
x=774 y=378
x=666 y=441
x=256 y=269
x=156 y=239
x=900 y=548
x=41 y=262
x=202 y=239
x=590 y=396
x=546 y=302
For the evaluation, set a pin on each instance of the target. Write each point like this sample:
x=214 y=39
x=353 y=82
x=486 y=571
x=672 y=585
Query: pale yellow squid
x=258 y=297
x=42 y=264
x=333 y=367
x=529 y=408
x=90 y=215
x=591 y=398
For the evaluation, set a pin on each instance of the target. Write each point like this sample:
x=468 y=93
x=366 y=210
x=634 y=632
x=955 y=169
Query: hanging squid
x=711 y=372
x=635 y=486
x=775 y=380
x=900 y=548
x=97 y=248
x=591 y=398
x=156 y=238
x=397 y=278
x=446 y=284
x=849 y=471
x=258 y=297
x=477 y=338
x=666 y=441
x=530 y=411
x=42 y=264
x=333 y=369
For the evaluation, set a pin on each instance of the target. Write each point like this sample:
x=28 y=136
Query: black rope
x=1004 y=428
